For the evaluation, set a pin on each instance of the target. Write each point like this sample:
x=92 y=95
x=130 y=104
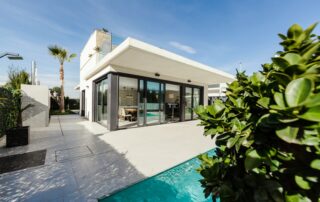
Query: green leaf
x=288 y=134
x=296 y=69
x=264 y=102
x=310 y=29
x=211 y=131
x=232 y=141
x=307 y=55
x=253 y=160
x=315 y=164
x=297 y=91
x=296 y=198
x=279 y=99
x=280 y=62
x=257 y=78
x=312 y=114
x=216 y=108
x=312 y=101
x=282 y=78
x=292 y=58
x=303 y=184
x=283 y=37
x=294 y=31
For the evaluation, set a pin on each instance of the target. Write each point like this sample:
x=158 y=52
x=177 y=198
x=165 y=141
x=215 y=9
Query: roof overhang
x=77 y=87
x=141 y=56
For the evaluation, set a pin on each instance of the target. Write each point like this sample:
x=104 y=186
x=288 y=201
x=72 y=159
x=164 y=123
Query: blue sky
x=217 y=33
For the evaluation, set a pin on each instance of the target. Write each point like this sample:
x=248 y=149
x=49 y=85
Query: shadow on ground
x=79 y=166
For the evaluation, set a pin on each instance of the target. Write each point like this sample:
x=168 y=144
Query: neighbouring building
x=217 y=91
x=138 y=84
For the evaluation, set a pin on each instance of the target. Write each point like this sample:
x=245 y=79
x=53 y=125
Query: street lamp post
x=11 y=56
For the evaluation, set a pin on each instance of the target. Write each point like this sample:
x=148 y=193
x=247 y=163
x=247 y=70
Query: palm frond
x=60 y=53
x=73 y=55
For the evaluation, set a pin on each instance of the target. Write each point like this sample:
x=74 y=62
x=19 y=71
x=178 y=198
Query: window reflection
x=196 y=100
x=101 y=102
x=172 y=103
x=188 y=103
x=128 y=102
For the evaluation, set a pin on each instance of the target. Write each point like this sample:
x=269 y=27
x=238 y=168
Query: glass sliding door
x=188 y=103
x=101 y=104
x=153 y=98
x=146 y=101
x=142 y=106
x=172 y=103
x=128 y=102
x=196 y=100
x=162 y=110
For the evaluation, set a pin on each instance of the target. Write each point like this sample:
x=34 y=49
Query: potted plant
x=19 y=134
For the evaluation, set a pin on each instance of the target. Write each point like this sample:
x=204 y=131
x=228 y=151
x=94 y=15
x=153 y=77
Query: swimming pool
x=180 y=183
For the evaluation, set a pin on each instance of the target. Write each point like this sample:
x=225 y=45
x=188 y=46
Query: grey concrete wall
x=38 y=114
x=112 y=102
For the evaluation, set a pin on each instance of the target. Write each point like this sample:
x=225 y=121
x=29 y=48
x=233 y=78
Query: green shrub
x=268 y=130
x=8 y=109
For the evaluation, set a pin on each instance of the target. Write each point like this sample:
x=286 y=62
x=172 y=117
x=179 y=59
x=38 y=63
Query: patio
x=85 y=161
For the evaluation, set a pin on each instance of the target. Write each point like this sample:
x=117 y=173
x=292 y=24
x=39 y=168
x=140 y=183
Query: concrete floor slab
x=93 y=161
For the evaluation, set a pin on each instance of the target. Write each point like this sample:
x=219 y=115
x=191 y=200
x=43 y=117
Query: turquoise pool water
x=178 y=184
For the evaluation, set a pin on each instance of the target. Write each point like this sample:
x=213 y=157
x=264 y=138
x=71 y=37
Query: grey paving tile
x=90 y=169
x=75 y=196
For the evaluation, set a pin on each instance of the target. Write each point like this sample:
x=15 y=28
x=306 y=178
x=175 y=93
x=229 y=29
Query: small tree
x=62 y=55
x=8 y=110
x=268 y=130
x=17 y=77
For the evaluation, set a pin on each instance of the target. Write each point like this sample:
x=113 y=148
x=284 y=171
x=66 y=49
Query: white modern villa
x=137 y=84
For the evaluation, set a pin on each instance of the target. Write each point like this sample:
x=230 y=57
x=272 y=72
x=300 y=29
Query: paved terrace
x=84 y=161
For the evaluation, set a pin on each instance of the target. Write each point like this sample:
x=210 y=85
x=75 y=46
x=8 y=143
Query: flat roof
x=141 y=56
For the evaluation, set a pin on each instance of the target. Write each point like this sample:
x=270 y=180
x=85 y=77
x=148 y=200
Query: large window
x=172 y=103
x=188 y=103
x=144 y=101
x=192 y=100
x=128 y=102
x=154 y=102
x=196 y=100
x=101 y=101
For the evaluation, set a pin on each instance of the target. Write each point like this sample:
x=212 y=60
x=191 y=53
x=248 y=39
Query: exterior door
x=153 y=98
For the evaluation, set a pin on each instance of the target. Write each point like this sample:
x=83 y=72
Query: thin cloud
x=183 y=47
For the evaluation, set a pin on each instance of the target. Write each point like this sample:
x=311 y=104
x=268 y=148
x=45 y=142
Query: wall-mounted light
x=157 y=74
x=189 y=81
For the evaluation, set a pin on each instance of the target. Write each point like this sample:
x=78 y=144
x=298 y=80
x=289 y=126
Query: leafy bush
x=268 y=130
x=8 y=109
x=17 y=77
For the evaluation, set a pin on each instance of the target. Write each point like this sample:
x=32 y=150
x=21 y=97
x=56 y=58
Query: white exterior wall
x=38 y=97
x=144 y=60
x=97 y=39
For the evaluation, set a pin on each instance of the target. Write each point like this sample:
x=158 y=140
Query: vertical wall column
x=204 y=95
x=112 y=102
x=182 y=102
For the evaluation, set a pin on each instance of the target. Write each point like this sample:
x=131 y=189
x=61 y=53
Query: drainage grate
x=22 y=161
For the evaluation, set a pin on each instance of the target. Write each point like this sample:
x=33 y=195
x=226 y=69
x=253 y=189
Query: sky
x=218 y=33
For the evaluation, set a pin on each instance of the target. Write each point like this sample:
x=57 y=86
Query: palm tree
x=62 y=55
